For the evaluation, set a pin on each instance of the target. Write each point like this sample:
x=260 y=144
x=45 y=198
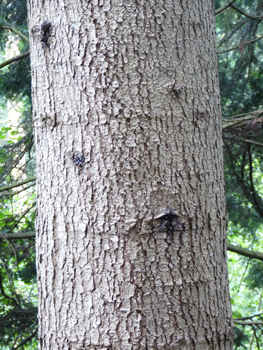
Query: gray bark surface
x=127 y=127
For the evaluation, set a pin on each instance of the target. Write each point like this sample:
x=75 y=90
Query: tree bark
x=131 y=225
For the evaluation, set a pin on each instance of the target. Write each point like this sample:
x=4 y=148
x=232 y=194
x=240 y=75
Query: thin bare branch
x=254 y=194
x=21 y=155
x=16 y=58
x=239 y=139
x=255 y=335
x=23 y=342
x=11 y=194
x=237 y=46
x=243 y=12
x=25 y=212
x=249 y=317
x=224 y=39
x=8 y=187
x=224 y=8
x=248 y=323
x=5 y=295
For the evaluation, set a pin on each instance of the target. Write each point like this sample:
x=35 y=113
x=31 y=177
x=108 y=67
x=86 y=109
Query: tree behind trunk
x=131 y=219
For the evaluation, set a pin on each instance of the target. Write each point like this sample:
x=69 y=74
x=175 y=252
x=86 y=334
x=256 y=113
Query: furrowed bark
x=131 y=227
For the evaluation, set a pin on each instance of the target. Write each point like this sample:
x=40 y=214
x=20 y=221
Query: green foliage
x=241 y=83
x=240 y=69
x=18 y=297
x=246 y=302
x=4 y=130
x=15 y=81
x=15 y=78
x=243 y=169
x=19 y=308
x=254 y=278
x=240 y=338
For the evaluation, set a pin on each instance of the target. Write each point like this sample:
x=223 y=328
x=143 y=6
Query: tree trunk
x=131 y=225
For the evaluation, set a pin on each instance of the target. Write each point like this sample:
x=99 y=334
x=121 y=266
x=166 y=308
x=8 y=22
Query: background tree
x=239 y=30
x=18 y=300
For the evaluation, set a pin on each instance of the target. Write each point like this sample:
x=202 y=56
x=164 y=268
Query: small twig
x=237 y=46
x=238 y=289
x=243 y=12
x=24 y=213
x=14 y=164
x=224 y=8
x=5 y=295
x=26 y=340
x=222 y=41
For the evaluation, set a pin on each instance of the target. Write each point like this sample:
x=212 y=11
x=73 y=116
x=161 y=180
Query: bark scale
x=127 y=127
